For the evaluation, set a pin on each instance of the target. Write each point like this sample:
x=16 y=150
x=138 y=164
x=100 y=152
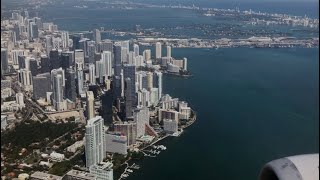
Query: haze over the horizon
x=231 y=1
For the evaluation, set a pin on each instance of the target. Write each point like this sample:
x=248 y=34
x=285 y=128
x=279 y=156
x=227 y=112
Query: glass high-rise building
x=71 y=85
x=4 y=60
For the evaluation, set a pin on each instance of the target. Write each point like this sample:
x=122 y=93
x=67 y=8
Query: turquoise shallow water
x=253 y=105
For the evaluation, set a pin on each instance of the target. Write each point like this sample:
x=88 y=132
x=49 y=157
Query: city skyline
x=103 y=103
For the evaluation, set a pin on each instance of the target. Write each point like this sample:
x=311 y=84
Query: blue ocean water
x=253 y=106
x=76 y=19
x=298 y=8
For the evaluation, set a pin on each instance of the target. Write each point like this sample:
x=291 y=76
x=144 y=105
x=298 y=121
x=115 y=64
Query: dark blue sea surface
x=253 y=106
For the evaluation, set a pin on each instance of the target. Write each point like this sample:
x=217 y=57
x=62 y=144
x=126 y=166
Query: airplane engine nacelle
x=300 y=167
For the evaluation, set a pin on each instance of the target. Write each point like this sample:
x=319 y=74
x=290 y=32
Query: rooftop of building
x=41 y=175
x=104 y=166
x=81 y=174
x=94 y=120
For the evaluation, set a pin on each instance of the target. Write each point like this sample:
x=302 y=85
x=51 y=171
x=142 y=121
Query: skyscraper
x=56 y=43
x=96 y=36
x=22 y=62
x=185 y=63
x=124 y=55
x=75 y=41
x=44 y=62
x=91 y=51
x=158 y=82
x=26 y=63
x=33 y=66
x=41 y=85
x=34 y=30
x=131 y=58
x=150 y=80
x=141 y=117
x=106 y=58
x=158 y=50
x=58 y=85
x=100 y=71
x=128 y=98
x=48 y=44
x=31 y=28
x=25 y=79
x=54 y=59
x=92 y=74
x=58 y=71
x=79 y=67
x=26 y=14
x=94 y=138
x=97 y=56
x=122 y=83
x=142 y=80
x=13 y=37
x=67 y=59
x=123 y=44
x=57 y=92
x=129 y=129
x=90 y=105
x=71 y=85
x=147 y=55
x=17 y=31
x=4 y=60
x=83 y=46
x=168 y=51
x=129 y=71
x=107 y=102
x=139 y=61
x=105 y=45
x=116 y=87
x=117 y=59
x=15 y=15
x=38 y=21
x=144 y=98
x=79 y=56
x=154 y=97
x=136 y=50
x=15 y=55
x=65 y=39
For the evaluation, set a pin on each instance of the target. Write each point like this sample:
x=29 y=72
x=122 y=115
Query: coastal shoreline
x=177 y=74
x=192 y=120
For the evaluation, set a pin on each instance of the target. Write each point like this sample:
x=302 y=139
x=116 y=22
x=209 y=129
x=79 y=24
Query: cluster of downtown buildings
x=64 y=72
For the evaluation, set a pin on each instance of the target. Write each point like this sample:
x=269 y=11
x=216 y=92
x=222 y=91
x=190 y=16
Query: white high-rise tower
x=79 y=67
x=65 y=39
x=57 y=92
x=107 y=62
x=92 y=76
x=97 y=36
x=136 y=50
x=168 y=51
x=158 y=50
x=147 y=54
x=94 y=138
x=90 y=104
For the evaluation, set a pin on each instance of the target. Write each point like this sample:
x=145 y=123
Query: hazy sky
x=237 y=1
